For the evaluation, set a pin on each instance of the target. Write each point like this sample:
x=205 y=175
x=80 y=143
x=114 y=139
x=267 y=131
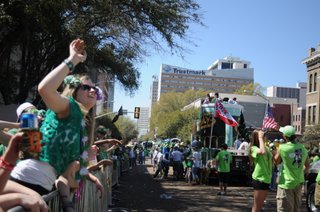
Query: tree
x=34 y=38
x=127 y=128
x=250 y=89
x=169 y=119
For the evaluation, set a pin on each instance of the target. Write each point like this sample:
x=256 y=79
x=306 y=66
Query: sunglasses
x=88 y=88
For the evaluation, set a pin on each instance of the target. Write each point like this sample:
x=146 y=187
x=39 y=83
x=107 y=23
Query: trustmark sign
x=177 y=70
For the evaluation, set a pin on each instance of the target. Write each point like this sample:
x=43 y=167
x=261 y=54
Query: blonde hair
x=254 y=141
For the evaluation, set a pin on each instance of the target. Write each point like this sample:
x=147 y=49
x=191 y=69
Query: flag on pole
x=224 y=115
x=269 y=121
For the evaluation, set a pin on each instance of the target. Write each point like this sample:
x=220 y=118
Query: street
x=138 y=191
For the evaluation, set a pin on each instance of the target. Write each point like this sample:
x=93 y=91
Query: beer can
x=29 y=121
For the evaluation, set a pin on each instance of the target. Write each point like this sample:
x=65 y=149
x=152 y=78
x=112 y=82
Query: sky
x=274 y=35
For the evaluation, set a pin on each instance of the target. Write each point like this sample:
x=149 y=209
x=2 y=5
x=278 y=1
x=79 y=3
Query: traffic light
x=136 y=112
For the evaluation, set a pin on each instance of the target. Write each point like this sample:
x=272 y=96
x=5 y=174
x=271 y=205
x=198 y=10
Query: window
x=314 y=114
x=315 y=82
x=245 y=65
x=310 y=83
x=226 y=65
x=309 y=115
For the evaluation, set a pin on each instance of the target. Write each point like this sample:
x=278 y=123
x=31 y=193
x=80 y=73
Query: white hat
x=23 y=107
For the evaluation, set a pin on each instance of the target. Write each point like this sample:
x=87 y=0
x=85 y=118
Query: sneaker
x=219 y=193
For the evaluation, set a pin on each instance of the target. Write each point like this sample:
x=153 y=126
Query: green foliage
x=250 y=89
x=127 y=128
x=34 y=38
x=169 y=119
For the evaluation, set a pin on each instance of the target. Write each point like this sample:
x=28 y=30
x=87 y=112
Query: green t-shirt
x=224 y=159
x=293 y=156
x=262 y=165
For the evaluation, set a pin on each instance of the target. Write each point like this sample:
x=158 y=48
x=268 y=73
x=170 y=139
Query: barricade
x=88 y=199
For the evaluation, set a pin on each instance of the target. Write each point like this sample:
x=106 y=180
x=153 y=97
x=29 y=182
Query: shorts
x=223 y=177
x=258 y=185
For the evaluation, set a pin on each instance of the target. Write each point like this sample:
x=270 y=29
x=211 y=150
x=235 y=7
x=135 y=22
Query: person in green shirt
x=315 y=154
x=262 y=174
x=294 y=157
x=223 y=160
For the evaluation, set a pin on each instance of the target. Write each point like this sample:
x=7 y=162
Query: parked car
x=310 y=185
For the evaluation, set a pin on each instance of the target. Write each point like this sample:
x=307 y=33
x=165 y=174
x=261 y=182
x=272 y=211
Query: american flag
x=269 y=121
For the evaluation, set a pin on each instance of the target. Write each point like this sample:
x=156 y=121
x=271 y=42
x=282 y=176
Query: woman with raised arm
x=261 y=176
x=64 y=132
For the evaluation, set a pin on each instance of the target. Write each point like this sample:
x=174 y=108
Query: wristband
x=6 y=165
x=69 y=64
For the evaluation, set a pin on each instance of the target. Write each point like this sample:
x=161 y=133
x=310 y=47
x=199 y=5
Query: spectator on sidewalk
x=177 y=158
x=223 y=162
x=27 y=198
x=261 y=176
x=196 y=158
x=154 y=159
x=294 y=157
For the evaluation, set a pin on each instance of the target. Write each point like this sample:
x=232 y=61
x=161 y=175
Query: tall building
x=297 y=110
x=313 y=95
x=143 y=121
x=224 y=76
x=154 y=90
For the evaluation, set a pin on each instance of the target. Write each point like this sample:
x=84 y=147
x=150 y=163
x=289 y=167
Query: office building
x=154 y=90
x=313 y=95
x=143 y=121
x=224 y=76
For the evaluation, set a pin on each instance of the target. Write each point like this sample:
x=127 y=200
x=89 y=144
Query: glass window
x=315 y=82
x=314 y=114
x=310 y=83
x=226 y=65
x=309 y=115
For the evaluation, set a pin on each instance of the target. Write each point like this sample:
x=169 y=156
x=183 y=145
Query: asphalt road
x=139 y=191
